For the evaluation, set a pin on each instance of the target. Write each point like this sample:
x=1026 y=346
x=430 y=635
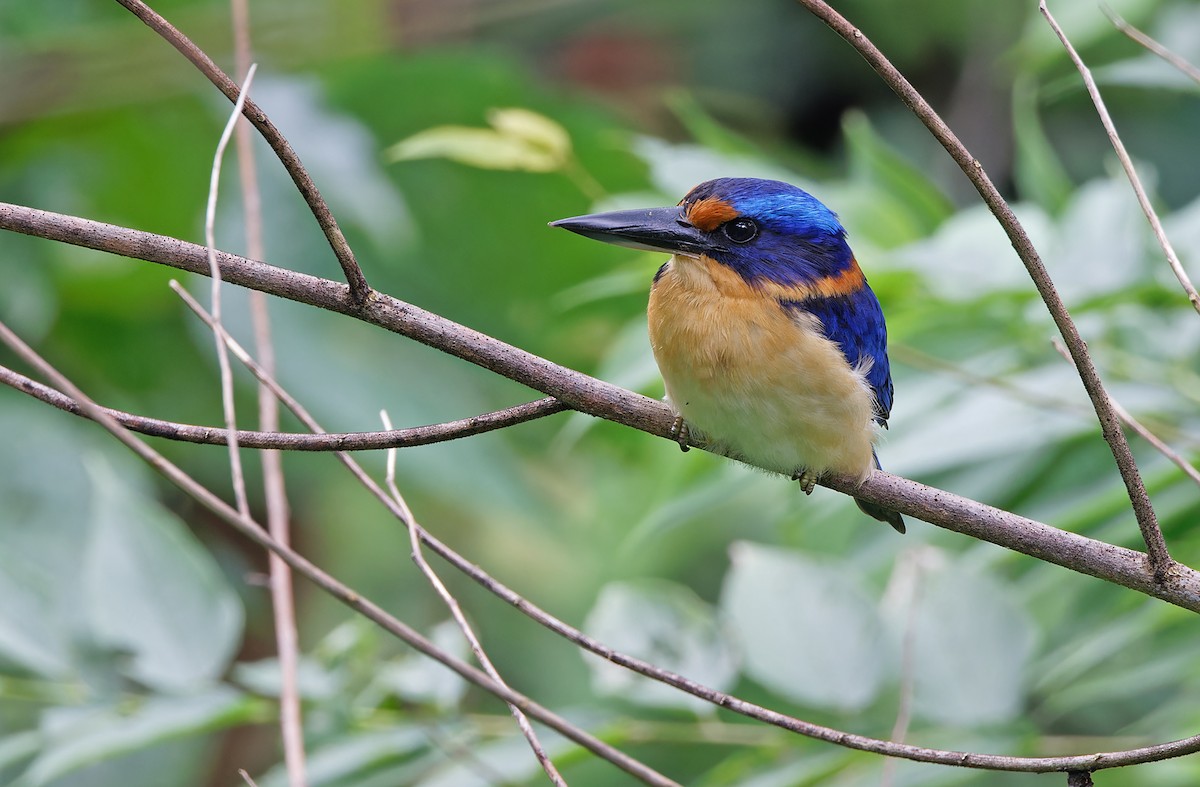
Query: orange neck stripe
x=848 y=282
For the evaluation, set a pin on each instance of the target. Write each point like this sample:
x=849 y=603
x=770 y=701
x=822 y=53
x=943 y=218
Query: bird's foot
x=808 y=481
x=679 y=433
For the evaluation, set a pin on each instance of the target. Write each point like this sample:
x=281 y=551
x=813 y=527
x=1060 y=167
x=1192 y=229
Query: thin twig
x=359 y=289
x=578 y=391
x=283 y=604
x=1127 y=418
x=1150 y=44
x=1114 y=138
x=1143 y=510
x=214 y=271
x=301 y=441
x=415 y=534
x=351 y=598
x=246 y=777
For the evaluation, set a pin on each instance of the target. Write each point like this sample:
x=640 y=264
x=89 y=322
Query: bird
x=771 y=345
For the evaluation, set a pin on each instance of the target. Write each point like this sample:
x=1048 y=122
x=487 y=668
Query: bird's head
x=765 y=230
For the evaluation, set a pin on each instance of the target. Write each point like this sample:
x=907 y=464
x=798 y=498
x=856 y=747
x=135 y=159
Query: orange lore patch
x=709 y=213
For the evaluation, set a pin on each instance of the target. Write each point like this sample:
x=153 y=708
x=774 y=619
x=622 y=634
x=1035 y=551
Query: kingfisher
x=771 y=345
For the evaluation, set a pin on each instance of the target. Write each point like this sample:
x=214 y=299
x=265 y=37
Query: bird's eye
x=740 y=230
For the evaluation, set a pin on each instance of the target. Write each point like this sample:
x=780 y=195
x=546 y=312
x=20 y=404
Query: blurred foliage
x=135 y=636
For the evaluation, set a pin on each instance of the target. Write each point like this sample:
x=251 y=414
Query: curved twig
x=359 y=289
x=1179 y=585
x=288 y=441
x=1110 y=425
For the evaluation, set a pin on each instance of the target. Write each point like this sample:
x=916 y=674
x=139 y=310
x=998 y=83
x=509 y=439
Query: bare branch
x=1150 y=44
x=288 y=441
x=1160 y=559
x=359 y=289
x=1126 y=163
x=1180 y=585
x=416 y=533
x=352 y=599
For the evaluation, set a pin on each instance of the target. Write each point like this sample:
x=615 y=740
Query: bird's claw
x=808 y=481
x=679 y=433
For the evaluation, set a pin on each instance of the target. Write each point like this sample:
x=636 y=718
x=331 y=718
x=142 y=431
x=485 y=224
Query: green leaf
x=518 y=140
x=353 y=754
x=971 y=644
x=911 y=196
x=44 y=527
x=1037 y=169
x=667 y=625
x=151 y=589
x=676 y=169
x=77 y=737
x=419 y=679
x=807 y=630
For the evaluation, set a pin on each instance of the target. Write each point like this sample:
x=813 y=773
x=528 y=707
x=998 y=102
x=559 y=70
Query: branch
x=1110 y=427
x=288 y=441
x=351 y=598
x=359 y=289
x=1179 y=585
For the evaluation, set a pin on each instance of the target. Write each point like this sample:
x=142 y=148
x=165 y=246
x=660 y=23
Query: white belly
x=757 y=383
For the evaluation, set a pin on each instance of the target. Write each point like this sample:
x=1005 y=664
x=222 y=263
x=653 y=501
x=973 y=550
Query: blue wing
x=855 y=323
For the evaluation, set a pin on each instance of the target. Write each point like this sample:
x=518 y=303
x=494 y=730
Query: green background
x=135 y=631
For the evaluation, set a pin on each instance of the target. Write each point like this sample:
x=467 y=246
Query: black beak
x=649 y=229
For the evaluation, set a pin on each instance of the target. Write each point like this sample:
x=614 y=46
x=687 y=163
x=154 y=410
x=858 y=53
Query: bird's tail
x=879 y=512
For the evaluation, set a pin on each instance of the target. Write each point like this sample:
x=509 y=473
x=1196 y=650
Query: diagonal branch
x=359 y=289
x=1110 y=426
x=1179 y=585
